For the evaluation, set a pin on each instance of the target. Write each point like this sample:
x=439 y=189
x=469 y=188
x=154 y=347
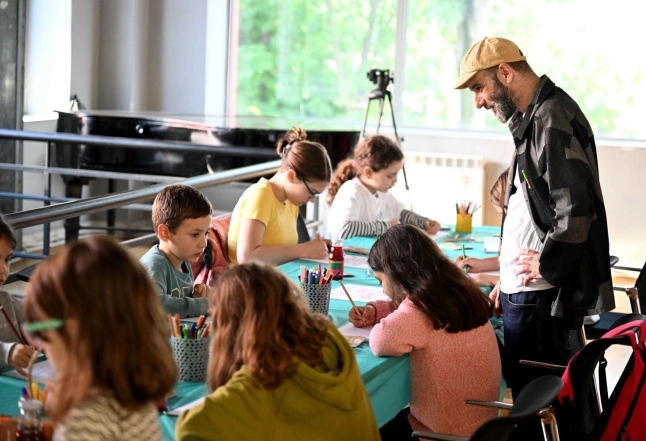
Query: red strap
x=624 y=330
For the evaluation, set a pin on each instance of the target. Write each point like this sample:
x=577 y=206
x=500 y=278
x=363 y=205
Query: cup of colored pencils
x=316 y=285
x=464 y=216
x=190 y=344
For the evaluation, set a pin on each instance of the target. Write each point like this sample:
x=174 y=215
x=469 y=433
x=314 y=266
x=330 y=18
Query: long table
x=386 y=378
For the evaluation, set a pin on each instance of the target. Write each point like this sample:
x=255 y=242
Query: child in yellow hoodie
x=277 y=371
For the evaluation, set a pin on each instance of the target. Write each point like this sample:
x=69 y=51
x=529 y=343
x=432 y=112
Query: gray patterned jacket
x=555 y=148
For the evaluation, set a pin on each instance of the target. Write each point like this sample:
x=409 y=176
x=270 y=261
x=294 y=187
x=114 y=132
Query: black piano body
x=246 y=131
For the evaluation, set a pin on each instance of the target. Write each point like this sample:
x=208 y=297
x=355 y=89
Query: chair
x=580 y=418
x=636 y=295
x=215 y=259
x=301 y=228
x=533 y=400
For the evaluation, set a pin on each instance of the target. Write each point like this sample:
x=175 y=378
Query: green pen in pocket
x=529 y=185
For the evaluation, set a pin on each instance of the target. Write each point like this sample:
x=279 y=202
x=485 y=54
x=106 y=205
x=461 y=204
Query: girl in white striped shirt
x=360 y=203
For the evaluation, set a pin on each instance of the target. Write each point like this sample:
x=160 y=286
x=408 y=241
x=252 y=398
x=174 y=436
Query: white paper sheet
x=41 y=372
x=188 y=406
x=492 y=244
x=351 y=330
x=350 y=260
x=359 y=293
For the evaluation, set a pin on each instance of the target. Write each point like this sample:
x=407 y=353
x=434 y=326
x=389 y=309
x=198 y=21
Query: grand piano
x=243 y=131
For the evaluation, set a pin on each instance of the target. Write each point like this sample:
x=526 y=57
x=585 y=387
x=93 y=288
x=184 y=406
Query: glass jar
x=335 y=261
x=30 y=426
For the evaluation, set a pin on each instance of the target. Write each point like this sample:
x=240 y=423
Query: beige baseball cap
x=486 y=53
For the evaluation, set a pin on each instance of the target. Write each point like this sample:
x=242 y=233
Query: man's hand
x=494 y=295
x=527 y=265
x=19 y=357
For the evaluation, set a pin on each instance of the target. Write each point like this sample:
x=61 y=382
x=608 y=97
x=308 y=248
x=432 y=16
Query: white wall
x=177 y=44
x=152 y=56
x=47 y=56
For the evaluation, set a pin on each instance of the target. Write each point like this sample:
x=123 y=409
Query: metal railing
x=66 y=210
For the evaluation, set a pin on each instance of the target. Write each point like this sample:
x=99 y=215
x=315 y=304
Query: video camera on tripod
x=382 y=79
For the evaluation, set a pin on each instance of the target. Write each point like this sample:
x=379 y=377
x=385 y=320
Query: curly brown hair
x=120 y=344
x=498 y=190
x=261 y=321
x=419 y=270
x=309 y=160
x=376 y=152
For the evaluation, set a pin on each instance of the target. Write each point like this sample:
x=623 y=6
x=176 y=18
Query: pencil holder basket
x=317 y=296
x=192 y=357
x=463 y=223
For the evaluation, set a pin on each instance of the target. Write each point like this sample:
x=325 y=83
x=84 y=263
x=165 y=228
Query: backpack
x=623 y=415
x=215 y=259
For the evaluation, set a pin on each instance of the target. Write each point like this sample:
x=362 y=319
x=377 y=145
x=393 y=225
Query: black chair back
x=536 y=396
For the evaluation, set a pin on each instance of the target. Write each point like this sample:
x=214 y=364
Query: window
x=308 y=59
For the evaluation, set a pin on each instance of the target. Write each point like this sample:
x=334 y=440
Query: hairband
x=288 y=144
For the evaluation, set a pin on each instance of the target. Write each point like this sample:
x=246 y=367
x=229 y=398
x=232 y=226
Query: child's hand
x=19 y=357
x=394 y=222
x=314 y=249
x=432 y=226
x=475 y=265
x=485 y=279
x=199 y=290
x=367 y=317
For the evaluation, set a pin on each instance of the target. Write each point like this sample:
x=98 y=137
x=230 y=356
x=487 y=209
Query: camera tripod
x=382 y=78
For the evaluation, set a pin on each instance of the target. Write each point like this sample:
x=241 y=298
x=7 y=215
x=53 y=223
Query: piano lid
x=246 y=131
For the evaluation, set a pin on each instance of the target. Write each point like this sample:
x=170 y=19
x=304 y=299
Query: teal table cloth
x=386 y=378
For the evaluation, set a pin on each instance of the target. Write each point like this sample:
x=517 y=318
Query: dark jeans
x=531 y=333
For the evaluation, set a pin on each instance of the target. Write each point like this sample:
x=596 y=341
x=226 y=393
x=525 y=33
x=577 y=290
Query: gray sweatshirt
x=13 y=308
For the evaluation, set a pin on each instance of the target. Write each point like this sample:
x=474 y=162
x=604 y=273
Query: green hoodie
x=328 y=402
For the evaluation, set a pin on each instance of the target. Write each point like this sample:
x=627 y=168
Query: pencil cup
x=463 y=223
x=192 y=357
x=317 y=296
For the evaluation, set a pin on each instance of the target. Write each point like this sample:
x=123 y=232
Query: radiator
x=437 y=181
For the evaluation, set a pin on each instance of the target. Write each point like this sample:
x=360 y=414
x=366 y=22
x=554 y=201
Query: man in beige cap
x=554 y=266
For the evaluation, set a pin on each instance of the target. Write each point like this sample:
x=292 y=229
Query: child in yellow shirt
x=263 y=224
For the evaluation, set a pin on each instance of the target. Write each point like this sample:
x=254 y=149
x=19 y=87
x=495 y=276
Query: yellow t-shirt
x=258 y=202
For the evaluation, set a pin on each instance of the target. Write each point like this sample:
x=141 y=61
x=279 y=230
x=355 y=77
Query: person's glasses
x=35 y=329
x=312 y=194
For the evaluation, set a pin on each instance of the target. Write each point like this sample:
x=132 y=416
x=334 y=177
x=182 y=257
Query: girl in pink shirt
x=439 y=316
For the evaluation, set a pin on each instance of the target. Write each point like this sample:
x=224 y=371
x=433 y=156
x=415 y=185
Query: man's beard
x=503 y=100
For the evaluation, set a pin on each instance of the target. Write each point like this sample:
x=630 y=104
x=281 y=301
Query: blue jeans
x=531 y=333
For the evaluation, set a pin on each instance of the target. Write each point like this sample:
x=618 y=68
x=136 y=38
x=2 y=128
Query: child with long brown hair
x=95 y=312
x=478 y=266
x=439 y=316
x=358 y=196
x=276 y=371
x=263 y=224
